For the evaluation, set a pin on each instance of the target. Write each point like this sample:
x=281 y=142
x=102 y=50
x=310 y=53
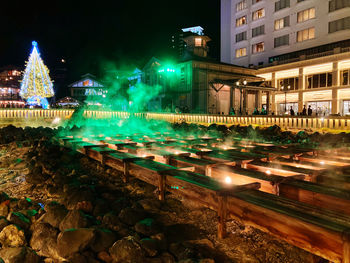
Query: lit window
x=241 y=5
x=306 y=15
x=259 y=47
x=259 y=14
x=281 y=23
x=241 y=21
x=198 y=42
x=306 y=34
x=241 y=52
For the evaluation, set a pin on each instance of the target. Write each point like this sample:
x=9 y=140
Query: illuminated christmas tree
x=36 y=85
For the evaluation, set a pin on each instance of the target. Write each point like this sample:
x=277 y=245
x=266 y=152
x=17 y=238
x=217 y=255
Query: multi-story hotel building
x=301 y=46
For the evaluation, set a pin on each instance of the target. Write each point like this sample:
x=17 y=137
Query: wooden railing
x=34 y=113
x=296 y=122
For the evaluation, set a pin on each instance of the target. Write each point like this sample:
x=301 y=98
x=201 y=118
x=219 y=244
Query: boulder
x=119 y=204
x=167 y=258
x=44 y=240
x=152 y=205
x=131 y=216
x=147 y=227
x=19 y=219
x=162 y=243
x=127 y=250
x=11 y=236
x=23 y=204
x=85 y=206
x=4 y=209
x=3 y=223
x=74 y=219
x=74 y=241
x=79 y=195
x=54 y=215
x=181 y=252
x=77 y=258
x=150 y=246
x=104 y=257
x=101 y=208
x=19 y=255
x=112 y=221
x=104 y=240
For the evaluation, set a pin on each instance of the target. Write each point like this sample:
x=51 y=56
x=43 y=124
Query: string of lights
x=36 y=84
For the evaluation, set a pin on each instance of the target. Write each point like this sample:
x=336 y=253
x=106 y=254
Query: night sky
x=91 y=35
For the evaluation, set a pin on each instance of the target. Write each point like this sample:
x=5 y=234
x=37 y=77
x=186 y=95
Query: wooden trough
x=287 y=205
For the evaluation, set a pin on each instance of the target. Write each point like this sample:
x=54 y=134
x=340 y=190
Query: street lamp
x=285 y=97
x=238 y=84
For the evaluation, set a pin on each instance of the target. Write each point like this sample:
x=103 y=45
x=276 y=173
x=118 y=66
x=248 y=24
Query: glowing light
x=38 y=101
x=36 y=84
x=322 y=162
x=56 y=120
x=228 y=180
x=268 y=172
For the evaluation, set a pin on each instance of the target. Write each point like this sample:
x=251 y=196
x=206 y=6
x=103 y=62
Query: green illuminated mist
x=121 y=96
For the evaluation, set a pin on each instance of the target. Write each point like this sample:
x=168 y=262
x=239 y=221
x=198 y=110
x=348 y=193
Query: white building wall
x=320 y=22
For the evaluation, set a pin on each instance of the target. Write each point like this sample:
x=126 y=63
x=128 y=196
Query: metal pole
x=285 y=102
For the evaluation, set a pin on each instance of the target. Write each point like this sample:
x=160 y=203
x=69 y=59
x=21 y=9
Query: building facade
x=261 y=32
x=10 y=78
x=202 y=85
x=88 y=90
x=321 y=81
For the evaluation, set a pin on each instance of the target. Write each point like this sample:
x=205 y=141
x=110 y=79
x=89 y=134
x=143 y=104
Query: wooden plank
x=317 y=195
x=291 y=227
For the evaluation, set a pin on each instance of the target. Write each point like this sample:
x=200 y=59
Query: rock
x=74 y=219
x=101 y=208
x=147 y=227
x=76 y=196
x=54 y=215
x=131 y=216
x=104 y=240
x=77 y=258
x=4 y=209
x=3 y=223
x=36 y=176
x=11 y=236
x=181 y=252
x=85 y=206
x=150 y=246
x=44 y=240
x=119 y=204
x=73 y=241
x=19 y=255
x=19 y=219
x=188 y=260
x=90 y=256
x=4 y=197
x=162 y=243
x=167 y=258
x=151 y=205
x=207 y=260
x=23 y=204
x=112 y=221
x=105 y=257
x=127 y=250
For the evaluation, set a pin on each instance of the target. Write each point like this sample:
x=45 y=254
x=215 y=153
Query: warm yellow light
x=228 y=180
x=268 y=172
